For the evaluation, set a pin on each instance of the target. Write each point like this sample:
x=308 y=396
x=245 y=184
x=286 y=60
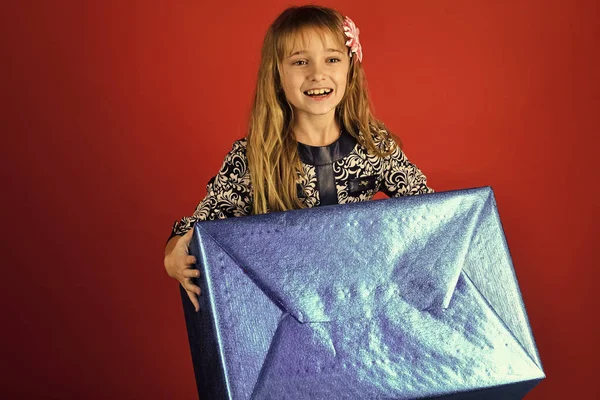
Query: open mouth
x=318 y=93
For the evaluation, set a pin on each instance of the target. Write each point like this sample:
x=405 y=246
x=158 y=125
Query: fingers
x=193 y=292
x=190 y=287
x=181 y=266
x=190 y=273
x=194 y=300
x=187 y=273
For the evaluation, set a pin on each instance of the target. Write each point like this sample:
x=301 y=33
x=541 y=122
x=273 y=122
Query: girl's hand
x=178 y=264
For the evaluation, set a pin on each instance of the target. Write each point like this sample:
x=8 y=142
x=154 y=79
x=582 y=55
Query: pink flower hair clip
x=352 y=32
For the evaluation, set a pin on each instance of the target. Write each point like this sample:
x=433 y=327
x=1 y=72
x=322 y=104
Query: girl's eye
x=299 y=62
x=334 y=60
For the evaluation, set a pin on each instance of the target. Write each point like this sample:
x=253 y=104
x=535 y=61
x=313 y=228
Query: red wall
x=116 y=113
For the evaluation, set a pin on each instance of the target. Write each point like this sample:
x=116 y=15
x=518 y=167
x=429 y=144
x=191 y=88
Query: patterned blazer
x=342 y=172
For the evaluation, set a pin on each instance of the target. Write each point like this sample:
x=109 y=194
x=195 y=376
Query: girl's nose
x=316 y=72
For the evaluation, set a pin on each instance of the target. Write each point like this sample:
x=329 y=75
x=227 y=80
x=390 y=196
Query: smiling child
x=312 y=139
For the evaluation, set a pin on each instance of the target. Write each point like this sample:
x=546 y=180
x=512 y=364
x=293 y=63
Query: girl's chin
x=314 y=111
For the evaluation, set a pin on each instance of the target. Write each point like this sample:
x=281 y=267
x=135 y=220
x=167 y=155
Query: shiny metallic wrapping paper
x=405 y=298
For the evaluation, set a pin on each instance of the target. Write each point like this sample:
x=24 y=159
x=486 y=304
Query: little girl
x=312 y=139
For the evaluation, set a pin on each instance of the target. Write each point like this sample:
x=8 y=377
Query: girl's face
x=314 y=75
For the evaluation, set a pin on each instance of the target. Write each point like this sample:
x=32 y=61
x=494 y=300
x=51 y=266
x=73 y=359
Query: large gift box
x=405 y=298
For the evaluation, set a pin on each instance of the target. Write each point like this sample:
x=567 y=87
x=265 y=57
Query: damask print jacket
x=343 y=172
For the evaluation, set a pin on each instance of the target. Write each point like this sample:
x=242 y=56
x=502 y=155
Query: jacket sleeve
x=228 y=194
x=401 y=177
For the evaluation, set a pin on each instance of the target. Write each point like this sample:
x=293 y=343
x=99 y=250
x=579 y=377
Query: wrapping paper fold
x=405 y=298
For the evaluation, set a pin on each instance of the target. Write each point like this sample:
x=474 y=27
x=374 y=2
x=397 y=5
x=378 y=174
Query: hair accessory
x=351 y=32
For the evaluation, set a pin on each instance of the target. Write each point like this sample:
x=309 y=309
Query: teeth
x=318 y=91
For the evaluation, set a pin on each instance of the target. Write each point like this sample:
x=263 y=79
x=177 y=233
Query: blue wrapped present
x=404 y=298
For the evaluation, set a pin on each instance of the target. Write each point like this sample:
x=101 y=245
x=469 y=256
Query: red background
x=116 y=113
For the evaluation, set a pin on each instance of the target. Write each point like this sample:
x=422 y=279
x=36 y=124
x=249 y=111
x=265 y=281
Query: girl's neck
x=321 y=130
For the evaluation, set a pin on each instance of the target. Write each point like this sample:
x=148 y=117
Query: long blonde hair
x=272 y=149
